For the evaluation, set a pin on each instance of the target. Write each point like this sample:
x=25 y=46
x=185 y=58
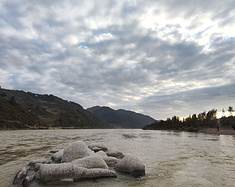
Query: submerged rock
x=132 y=165
x=74 y=151
x=98 y=147
x=113 y=151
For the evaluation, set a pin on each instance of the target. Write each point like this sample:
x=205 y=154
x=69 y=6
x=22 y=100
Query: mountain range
x=26 y=110
x=121 y=118
x=19 y=109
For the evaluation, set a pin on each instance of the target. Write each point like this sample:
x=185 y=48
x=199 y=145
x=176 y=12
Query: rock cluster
x=79 y=161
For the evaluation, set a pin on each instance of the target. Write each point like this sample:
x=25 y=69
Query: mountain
x=46 y=110
x=121 y=118
x=14 y=116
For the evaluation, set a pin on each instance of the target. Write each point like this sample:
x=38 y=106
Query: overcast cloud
x=158 y=57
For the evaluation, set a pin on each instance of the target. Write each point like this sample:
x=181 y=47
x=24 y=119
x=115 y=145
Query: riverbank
x=222 y=131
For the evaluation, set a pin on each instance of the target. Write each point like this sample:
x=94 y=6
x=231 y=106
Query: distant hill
x=121 y=118
x=43 y=110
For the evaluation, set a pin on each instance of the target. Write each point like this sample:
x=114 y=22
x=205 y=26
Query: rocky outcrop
x=79 y=161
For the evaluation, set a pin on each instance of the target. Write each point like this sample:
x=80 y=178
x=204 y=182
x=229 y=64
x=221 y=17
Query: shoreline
x=222 y=131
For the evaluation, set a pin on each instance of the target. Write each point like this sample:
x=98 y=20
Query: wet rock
x=74 y=151
x=83 y=173
x=98 y=147
x=114 y=152
x=110 y=161
x=57 y=157
x=38 y=161
x=102 y=154
x=132 y=165
x=26 y=182
x=20 y=176
x=94 y=161
x=90 y=152
x=54 y=150
x=52 y=172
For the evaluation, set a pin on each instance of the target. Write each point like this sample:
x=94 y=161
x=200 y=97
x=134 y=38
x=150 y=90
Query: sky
x=158 y=57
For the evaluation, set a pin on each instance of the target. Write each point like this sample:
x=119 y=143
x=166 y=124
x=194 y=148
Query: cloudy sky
x=158 y=57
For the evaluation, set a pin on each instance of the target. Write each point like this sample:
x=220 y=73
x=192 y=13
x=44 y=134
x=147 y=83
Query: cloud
x=138 y=55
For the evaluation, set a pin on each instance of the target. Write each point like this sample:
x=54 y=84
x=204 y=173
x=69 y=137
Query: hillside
x=14 y=116
x=121 y=118
x=50 y=111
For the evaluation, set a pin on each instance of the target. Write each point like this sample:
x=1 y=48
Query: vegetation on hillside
x=44 y=111
x=14 y=116
x=195 y=122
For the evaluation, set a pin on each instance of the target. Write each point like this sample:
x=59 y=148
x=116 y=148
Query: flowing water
x=171 y=158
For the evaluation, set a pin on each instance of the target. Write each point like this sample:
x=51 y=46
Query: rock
x=38 y=161
x=74 y=151
x=102 y=154
x=131 y=164
x=57 y=157
x=52 y=172
x=54 y=150
x=83 y=173
x=110 y=161
x=26 y=182
x=113 y=151
x=90 y=152
x=94 y=161
x=20 y=176
x=98 y=147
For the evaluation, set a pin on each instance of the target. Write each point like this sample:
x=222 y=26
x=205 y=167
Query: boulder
x=93 y=161
x=83 y=173
x=132 y=165
x=57 y=157
x=113 y=151
x=74 y=151
x=26 y=182
x=110 y=161
x=98 y=147
x=102 y=154
x=52 y=172
x=20 y=176
x=33 y=163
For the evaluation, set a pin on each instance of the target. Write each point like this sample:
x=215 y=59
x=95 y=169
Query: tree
x=12 y=100
x=230 y=110
x=211 y=114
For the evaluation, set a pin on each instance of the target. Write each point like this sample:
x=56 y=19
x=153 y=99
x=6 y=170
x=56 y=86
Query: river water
x=171 y=158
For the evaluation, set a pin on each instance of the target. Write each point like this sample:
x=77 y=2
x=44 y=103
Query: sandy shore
x=222 y=131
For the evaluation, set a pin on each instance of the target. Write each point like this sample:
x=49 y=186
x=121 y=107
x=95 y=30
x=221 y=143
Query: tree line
x=195 y=122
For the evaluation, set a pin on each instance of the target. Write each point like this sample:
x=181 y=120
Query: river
x=171 y=158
